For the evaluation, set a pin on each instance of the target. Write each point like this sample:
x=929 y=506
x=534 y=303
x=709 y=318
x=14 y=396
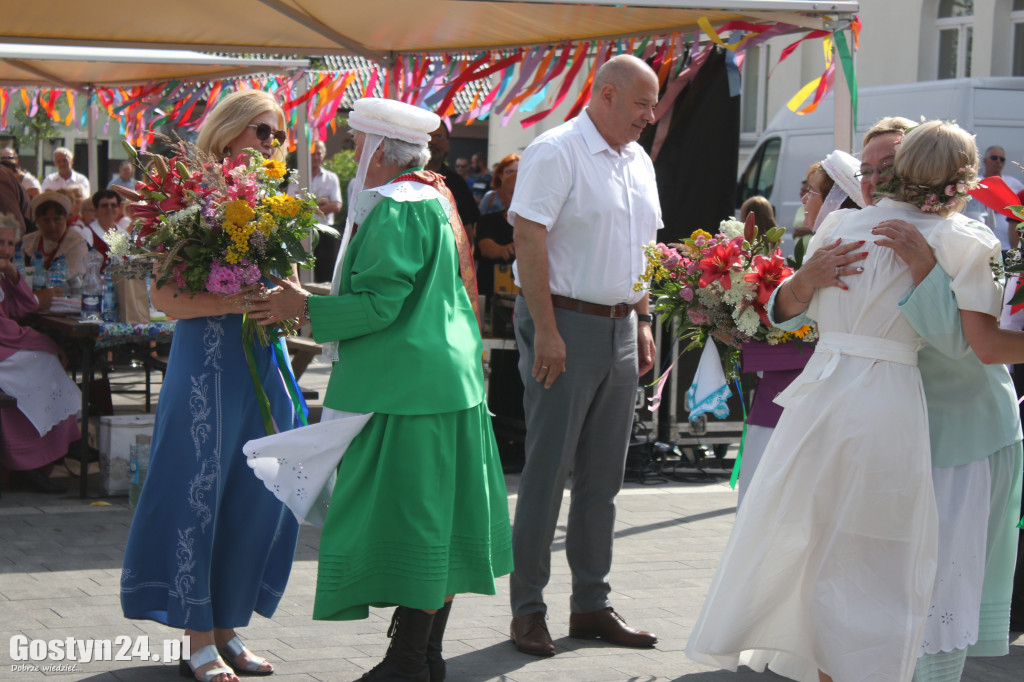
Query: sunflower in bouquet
x=718 y=285
x=216 y=226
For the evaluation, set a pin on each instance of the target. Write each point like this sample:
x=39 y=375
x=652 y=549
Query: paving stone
x=60 y=571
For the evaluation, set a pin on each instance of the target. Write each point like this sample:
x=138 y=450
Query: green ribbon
x=743 y=437
x=1021 y=524
x=261 y=395
x=846 y=61
x=289 y=381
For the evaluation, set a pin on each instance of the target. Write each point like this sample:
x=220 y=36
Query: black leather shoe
x=530 y=635
x=609 y=626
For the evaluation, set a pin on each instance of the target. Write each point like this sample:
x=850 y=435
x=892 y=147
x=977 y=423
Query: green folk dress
x=420 y=509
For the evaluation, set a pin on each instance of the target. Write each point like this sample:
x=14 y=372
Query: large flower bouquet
x=718 y=285
x=215 y=226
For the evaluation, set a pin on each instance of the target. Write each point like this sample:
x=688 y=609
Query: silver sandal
x=208 y=654
x=233 y=649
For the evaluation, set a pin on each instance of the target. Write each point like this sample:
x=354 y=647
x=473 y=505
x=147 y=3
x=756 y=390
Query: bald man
x=586 y=201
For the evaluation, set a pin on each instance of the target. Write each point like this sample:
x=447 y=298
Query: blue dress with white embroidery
x=209 y=544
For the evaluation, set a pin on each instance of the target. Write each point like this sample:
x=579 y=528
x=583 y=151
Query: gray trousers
x=581 y=424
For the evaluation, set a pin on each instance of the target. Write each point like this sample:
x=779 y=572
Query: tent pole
x=90 y=113
x=303 y=139
x=843 y=135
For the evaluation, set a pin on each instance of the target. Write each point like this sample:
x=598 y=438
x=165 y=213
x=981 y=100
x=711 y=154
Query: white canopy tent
x=84 y=68
x=383 y=28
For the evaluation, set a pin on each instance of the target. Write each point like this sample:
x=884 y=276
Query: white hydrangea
x=741 y=290
x=119 y=243
x=710 y=295
x=731 y=228
x=774 y=336
x=748 y=321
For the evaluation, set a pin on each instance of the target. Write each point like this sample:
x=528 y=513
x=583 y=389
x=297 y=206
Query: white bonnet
x=393 y=119
x=841 y=167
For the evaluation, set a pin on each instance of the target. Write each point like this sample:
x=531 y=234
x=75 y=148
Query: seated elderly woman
x=36 y=432
x=54 y=238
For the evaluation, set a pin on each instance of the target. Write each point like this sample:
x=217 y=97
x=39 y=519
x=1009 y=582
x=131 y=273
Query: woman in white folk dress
x=829 y=569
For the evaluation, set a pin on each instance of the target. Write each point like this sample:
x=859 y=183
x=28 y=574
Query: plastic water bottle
x=138 y=465
x=39 y=274
x=92 y=287
x=57 y=275
x=109 y=299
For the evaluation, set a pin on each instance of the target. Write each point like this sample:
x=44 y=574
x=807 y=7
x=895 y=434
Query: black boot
x=434 y=661
x=406 y=658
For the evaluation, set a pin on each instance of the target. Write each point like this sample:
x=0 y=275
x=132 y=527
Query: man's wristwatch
x=644 y=317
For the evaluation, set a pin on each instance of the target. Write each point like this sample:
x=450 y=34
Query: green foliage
x=36 y=128
x=344 y=164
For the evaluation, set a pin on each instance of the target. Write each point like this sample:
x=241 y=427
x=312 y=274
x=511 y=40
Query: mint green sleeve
x=790 y=325
x=388 y=253
x=932 y=310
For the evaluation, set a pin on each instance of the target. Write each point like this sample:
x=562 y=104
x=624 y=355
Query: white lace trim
x=404 y=191
x=962 y=496
x=300 y=466
x=45 y=393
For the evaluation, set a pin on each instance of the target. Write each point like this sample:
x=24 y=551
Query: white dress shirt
x=599 y=206
x=28 y=181
x=54 y=181
x=324 y=184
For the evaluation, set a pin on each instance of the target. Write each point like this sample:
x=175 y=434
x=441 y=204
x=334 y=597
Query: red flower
x=718 y=261
x=768 y=274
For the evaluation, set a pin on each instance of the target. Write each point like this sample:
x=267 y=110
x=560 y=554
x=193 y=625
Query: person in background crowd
x=764 y=214
x=14 y=200
x=107 y=204
x=491 y=203
x=125 y=176
x=586 y=202
x=465 y=170
x=54 y=238
x=326 y=187
x=800 y=228
x=65 y=175
x=480 y=180
x=209 y=544
x=9 y=158
x=469 y=212
x=495 y=244
x=38 y=431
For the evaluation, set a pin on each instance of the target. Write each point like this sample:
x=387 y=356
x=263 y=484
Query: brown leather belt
x=613 y=311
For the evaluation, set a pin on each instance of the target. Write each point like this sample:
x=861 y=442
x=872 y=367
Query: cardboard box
x=117 y=434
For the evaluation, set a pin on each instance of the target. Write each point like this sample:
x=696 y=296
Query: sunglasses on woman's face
x=263 y=131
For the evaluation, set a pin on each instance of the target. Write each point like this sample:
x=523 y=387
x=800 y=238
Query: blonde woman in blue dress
x=840 y=520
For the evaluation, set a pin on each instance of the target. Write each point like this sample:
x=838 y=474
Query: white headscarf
x=376 y=119
x=841 y=167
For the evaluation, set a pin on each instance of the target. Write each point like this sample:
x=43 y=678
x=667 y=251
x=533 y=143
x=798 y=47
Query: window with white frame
x=955 y=26
x=1017 y=17
x=754 y=92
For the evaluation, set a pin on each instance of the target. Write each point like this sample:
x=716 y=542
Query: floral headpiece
x=931 y=199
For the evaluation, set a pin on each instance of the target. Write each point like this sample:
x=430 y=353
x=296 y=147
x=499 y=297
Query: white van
x=991 y=108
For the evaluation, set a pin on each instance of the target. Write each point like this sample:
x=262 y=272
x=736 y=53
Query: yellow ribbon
x=705 y=26
x=798 y=99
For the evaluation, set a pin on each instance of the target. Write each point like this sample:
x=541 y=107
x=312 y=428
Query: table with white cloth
x=87 y=338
